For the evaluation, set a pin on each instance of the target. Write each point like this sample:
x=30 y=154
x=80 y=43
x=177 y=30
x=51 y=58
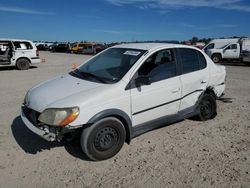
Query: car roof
x=150 y=46
x=6 y=39
x=225 y=40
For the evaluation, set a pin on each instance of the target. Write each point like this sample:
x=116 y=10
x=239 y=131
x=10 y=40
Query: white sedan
x=122 y=92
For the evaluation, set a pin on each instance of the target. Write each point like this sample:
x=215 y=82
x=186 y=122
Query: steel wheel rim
x=106 y=139
x=216 y=59
x=206 y=108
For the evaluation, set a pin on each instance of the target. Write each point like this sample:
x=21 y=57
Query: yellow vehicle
x=78 y=47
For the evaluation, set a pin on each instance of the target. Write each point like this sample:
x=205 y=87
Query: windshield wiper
x=88 y=74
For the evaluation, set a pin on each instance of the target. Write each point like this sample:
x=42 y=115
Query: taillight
x=37 y=53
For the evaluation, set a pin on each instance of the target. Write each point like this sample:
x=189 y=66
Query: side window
x=159 y=66
x=22 y=45
x=234 y=46
x=28 y=45
x=189 y=59
x=17 y=45
x=202 y=60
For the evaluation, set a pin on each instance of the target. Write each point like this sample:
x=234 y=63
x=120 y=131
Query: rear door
x=6 y=52
x=162 y=96
x=194 y=76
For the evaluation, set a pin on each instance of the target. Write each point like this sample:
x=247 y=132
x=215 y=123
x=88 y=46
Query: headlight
x=59 y=116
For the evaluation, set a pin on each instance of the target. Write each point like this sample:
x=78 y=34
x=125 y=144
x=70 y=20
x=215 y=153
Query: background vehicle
x=19 y=53
x=123 y=92
x=92 y=48
x=100 y=47
x=199 y=45
x=80 y=47
x=218 y=43
x=88 y=48
x=63 y=47
x=42 y=47
x=233 y=51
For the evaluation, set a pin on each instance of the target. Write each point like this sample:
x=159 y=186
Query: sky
x=123 y=20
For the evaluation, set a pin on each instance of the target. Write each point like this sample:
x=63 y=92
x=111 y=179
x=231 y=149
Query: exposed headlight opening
x=59 y=116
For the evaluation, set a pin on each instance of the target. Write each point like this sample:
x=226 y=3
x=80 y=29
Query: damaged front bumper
x=42 y=132
x=49 y=133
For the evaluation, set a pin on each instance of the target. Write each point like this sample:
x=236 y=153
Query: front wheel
x=207 y=107
x=216 y=58
x=103 y=139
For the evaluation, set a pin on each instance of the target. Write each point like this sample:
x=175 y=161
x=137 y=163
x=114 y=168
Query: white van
x=19 y=53
x=218 y=43
x=239 y=51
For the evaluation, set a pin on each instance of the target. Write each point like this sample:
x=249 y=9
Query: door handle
x=203 y=81
x=176 y=90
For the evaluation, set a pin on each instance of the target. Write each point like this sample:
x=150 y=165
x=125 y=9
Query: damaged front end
x=50 y=133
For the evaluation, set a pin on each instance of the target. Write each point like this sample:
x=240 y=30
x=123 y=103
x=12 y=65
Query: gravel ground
x=215 y=153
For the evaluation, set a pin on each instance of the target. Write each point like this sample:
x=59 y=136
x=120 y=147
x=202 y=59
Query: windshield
x=209 y=47
x=111 y=65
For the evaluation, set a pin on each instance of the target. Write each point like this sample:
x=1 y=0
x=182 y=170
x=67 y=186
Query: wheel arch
x=116 y=113
x=210 y=90
x=23 y=58
x=216 y=53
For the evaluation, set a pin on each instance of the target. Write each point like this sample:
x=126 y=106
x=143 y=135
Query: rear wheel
x=103 y=139
x=216 y=58
x=207 y=107
x=23 y=64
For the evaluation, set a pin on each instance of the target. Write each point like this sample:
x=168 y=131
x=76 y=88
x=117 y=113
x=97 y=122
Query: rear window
x=22 y=45
x=192 y=60
x=203 y=61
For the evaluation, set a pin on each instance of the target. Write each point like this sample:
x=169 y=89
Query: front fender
x=119 y=114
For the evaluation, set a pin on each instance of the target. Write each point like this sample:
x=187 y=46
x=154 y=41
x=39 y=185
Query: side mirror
x=142 y=80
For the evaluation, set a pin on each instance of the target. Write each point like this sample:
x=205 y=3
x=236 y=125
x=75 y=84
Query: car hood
x=56 y=89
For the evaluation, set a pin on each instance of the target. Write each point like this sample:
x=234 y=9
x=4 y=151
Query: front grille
x=31 y=115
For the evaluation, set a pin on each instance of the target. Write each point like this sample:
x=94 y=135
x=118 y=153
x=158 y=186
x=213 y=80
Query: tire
x=103 y=139
x=207 y=107
x=216 y=58
x=23 y=64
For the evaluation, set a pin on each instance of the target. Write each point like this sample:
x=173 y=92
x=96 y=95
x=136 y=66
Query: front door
x=161 y=97
x=232 y=52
